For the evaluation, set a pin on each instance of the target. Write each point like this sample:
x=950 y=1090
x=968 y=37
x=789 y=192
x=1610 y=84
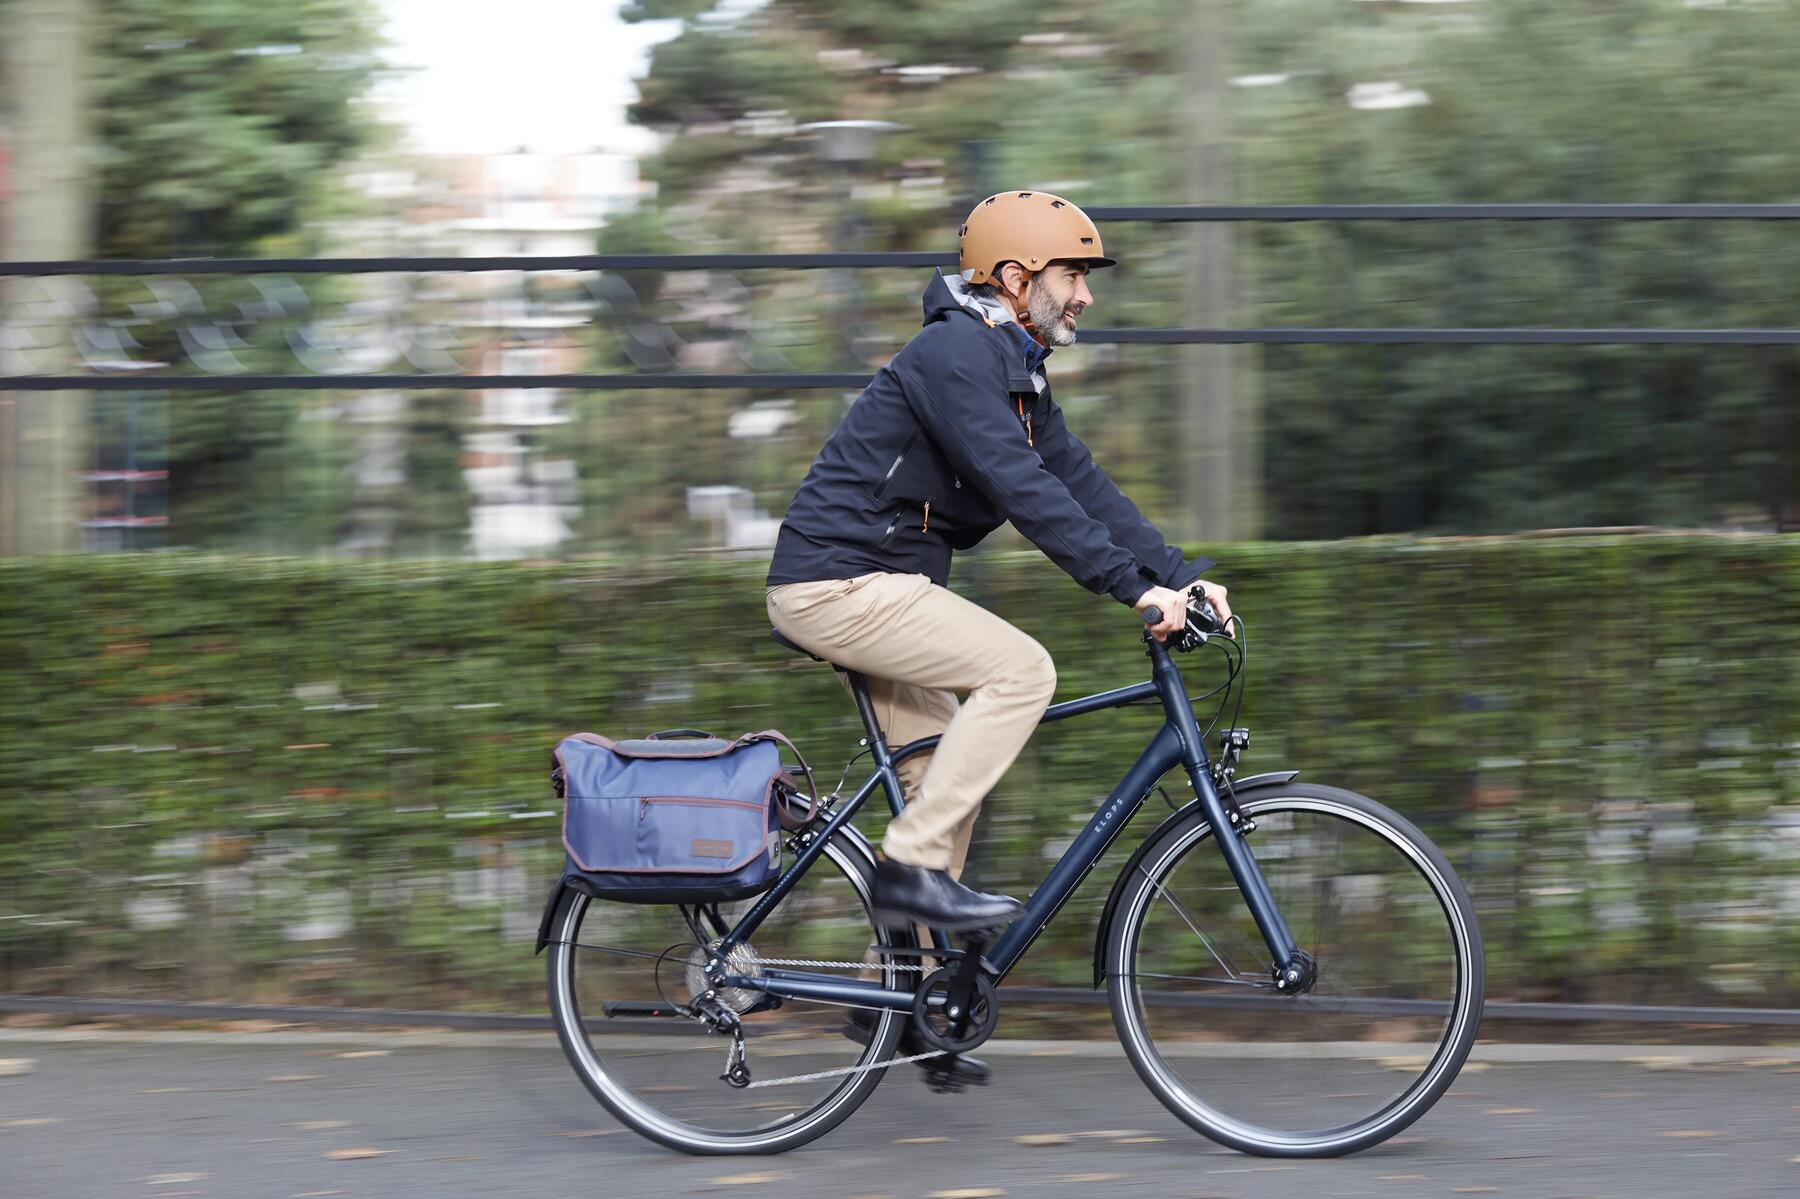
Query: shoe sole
x=889 y=917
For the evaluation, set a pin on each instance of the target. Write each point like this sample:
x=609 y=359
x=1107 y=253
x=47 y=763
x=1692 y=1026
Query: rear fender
x=1240 y=788
x=550 y=906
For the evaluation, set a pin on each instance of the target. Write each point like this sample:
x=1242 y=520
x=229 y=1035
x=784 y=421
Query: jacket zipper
x=898 y=459
x=1026 y=417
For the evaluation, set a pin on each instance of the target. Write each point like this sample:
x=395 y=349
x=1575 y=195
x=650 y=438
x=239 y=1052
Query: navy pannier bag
x=678 y=817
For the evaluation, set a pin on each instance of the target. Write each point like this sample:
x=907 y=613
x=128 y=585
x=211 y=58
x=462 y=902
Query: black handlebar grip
x=1153 y=615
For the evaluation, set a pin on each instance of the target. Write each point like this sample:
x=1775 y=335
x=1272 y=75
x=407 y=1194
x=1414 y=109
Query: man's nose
x=1083 y=296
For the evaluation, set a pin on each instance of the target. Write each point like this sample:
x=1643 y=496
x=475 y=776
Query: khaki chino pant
x=918 y=644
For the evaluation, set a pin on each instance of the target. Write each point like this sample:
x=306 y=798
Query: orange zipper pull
x=1024 y=418
x=926 y=528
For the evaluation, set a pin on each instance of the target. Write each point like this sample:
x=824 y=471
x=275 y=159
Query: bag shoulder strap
x=812 y=808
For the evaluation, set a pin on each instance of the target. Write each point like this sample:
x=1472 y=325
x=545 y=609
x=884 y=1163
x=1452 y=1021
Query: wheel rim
x=1361 y=1055
x=661 y=1074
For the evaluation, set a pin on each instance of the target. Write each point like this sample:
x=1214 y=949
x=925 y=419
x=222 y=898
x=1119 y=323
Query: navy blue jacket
x=955 y=436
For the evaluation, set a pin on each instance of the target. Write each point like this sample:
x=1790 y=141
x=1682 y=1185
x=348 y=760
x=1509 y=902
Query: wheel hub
x=1298 y=976
x=742 y=961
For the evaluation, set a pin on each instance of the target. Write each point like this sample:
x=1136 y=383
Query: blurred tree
x=219 y=126
x=218 y=123
x=1628 y=100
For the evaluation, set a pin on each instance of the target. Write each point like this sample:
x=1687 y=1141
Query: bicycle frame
x=1178 y=742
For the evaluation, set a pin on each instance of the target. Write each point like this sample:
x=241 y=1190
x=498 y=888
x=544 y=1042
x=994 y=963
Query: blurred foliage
x=219 y=128
x=277 y=779
x=1533 y=100
x=219 y=123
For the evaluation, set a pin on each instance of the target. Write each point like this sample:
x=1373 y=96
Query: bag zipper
x=645 y=801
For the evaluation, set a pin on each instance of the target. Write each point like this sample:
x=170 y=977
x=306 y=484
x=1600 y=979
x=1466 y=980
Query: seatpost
x=877 y=742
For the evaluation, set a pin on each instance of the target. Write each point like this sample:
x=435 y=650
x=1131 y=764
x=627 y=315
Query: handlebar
x=1203 y=622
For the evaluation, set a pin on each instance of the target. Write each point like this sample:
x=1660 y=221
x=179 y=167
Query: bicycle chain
x=761 y=961
x=792 y=1079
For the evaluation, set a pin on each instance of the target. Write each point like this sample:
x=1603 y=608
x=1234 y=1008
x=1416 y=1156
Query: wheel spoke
x=1398 y=952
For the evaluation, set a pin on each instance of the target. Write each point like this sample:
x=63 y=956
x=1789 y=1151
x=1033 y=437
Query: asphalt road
x=406 y=1115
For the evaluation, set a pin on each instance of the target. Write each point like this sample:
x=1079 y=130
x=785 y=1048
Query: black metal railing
x=154 y=377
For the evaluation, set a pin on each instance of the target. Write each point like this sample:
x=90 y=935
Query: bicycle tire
x=637 y=1112
x=1124 y=948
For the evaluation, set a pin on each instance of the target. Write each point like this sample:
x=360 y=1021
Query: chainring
x=935 y=1025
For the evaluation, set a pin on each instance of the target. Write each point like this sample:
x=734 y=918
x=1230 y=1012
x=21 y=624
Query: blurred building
x=523 y=203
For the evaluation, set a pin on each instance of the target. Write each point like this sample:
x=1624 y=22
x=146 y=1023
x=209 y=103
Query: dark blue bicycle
x=1294 y=970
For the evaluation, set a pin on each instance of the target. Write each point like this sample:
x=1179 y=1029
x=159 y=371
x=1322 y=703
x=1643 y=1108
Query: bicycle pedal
x=944 y=1082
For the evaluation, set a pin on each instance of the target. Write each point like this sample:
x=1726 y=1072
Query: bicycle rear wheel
x=1379 y=1037
x=660 y=1074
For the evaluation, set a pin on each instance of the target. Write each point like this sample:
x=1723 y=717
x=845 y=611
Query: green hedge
x=274 y=779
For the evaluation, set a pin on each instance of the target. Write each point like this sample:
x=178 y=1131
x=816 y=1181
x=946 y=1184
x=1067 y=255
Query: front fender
x=1273 y=777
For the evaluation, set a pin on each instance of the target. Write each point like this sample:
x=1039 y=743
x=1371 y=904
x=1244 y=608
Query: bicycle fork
x=1292 y=969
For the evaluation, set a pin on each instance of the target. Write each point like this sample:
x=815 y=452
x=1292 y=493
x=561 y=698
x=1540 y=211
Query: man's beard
x=1046 y=313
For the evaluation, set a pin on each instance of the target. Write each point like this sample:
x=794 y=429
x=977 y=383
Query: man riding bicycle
x=956 y=435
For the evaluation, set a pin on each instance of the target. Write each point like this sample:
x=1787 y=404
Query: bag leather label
x=704 y=848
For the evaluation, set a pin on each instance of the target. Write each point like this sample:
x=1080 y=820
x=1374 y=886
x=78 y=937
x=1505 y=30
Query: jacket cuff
x=1187 y=572
x=1132 y=585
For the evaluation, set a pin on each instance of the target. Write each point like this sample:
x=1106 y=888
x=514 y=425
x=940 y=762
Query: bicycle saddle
x=775 y=634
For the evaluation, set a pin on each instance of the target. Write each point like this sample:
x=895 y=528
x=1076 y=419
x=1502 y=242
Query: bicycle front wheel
x=612 y=964
x=1382 y=1032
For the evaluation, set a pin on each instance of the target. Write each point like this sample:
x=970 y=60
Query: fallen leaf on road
x=732 y=1180
x=1044 y=1138
x=11 y=1066
x=350 y=1155
x=1090 y=1178
x=163 y=1180
x=1141 y=1140
x=1507 y=1111
x=1690 y=1132
x=923 y=1141
x=30 y=1122
x=1112 y=1133
x=291 y=1078
x=321 y=1125
x=364 y=1053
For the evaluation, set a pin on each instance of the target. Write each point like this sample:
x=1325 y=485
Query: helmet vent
x=1024 y=195
x=1056 y=203
x=1087 y=241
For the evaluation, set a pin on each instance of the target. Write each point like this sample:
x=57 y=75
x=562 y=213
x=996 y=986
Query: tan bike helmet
x=1029 y=228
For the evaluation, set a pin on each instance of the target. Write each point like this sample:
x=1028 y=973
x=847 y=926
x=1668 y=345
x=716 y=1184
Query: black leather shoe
x=904 y=894
x=949 y=1073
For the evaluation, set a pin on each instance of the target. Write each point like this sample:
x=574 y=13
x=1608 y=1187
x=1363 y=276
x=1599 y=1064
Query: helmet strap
x=1023 y=315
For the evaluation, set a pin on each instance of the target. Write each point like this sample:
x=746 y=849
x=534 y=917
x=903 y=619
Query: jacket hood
x=949 y=293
